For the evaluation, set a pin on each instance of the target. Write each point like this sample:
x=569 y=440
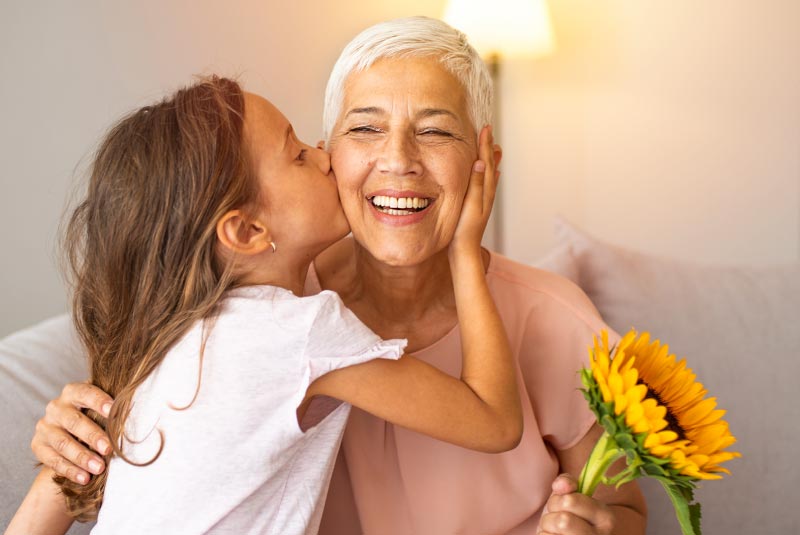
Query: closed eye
x=435 y=132
x=365 y=129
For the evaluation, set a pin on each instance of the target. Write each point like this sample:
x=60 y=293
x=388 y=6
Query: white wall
x=669 y=126
x=672 y=127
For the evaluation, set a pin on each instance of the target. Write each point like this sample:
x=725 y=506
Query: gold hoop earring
x=274 y=247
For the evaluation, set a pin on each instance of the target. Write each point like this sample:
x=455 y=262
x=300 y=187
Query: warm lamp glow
x=503 y=27
x=500 y=29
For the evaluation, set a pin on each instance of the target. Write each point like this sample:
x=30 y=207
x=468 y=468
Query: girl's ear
x=243 y=235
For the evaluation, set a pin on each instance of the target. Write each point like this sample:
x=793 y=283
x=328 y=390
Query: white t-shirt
x=236 y=461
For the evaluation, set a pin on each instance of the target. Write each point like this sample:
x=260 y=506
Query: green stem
x=605 y=452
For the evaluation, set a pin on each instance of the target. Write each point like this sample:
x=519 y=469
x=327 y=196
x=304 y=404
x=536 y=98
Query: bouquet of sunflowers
x=656 y=415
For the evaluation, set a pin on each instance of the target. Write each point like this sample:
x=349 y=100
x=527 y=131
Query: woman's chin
x=399 y=253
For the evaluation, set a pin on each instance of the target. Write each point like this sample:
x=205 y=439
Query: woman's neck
x=404 y=293
x=416 y=302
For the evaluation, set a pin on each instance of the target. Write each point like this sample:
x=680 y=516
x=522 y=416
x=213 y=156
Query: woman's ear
x=243 y=235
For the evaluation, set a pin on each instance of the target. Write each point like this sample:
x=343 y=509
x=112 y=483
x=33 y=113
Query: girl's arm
x=481 y=410
x=43 y=511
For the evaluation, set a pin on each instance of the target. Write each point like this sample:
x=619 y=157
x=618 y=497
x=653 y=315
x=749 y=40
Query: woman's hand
x=569 y=512
x=57 y=441
x=479 y=197
x=621 y=511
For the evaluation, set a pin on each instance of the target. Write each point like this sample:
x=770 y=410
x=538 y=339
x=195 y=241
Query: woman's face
x=402 y=149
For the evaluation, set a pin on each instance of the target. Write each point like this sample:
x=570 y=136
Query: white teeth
x=398 y=205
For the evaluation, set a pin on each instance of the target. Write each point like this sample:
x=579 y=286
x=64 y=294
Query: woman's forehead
x=422 y=84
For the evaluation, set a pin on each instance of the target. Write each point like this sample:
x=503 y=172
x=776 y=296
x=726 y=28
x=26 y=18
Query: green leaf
x=654 y=470
x=625 y=441
x=586 y=378
x=688 y=514
x=609 y=424
x=695 y=515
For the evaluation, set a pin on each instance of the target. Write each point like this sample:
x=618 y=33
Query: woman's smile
x=396 y=208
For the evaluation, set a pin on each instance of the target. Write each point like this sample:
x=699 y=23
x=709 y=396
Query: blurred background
x=672 y=127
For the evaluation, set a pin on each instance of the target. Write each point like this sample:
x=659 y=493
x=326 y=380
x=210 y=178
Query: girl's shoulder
x=264 y=301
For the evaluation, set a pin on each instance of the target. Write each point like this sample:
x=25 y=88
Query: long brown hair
x=141 y=247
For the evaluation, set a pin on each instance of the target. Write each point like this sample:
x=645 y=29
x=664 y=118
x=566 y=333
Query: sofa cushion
x=35 y=364
x=737 y=327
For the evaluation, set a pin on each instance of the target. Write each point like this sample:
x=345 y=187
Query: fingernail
x=83 y=479
x=103 y=446
x=106 y=409
x=479 y=166
x=95 y=467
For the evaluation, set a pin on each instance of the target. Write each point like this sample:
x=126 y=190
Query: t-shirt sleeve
x=337 y=338
x=555 y=347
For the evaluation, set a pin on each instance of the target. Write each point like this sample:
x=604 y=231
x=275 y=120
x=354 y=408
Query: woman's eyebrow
x=433 y=112
x=373 y=110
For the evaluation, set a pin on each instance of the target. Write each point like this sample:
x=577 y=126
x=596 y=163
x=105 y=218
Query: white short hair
x=412 y=37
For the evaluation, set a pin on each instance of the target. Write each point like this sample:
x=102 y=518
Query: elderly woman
x=403 y=107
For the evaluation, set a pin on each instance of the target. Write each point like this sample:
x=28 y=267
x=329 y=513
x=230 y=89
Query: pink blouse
x=407 y=483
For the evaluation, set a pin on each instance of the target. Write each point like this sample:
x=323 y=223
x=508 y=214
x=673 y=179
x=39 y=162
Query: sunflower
x=656 y=414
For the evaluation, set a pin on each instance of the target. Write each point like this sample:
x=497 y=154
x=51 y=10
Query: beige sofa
x=739 y=330
x=738 y=327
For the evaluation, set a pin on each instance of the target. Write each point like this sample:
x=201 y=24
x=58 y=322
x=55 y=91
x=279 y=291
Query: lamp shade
x=503 y=27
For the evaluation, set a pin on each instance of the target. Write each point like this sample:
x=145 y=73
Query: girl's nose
x=321 y=158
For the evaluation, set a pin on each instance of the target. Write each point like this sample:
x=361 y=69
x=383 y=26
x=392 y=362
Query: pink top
x=407 y=483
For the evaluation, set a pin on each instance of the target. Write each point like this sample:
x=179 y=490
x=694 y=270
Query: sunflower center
x=672 y=422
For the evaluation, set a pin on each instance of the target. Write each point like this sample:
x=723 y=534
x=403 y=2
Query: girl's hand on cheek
x=478 y=199
x=568 y=512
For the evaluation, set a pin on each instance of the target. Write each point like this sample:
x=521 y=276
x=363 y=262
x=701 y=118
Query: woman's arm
x=43 y=511
x=481 y=410
x=620 y=511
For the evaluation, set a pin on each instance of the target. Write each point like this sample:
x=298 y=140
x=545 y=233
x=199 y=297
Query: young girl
x=190 y=254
